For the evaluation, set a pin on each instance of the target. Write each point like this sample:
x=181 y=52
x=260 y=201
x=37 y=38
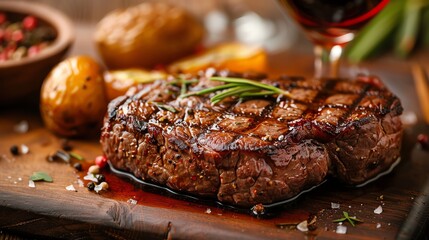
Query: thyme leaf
x=352 y=220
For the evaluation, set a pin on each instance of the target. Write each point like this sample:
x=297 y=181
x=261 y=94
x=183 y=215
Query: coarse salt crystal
x=409 y=118
x=335 y=205
x=98 y=188
x=71 y=188
x=21 y=127
x=19 y=179
x=208 y=211
x=31 y=184
x=341 y=229
x=302 y=226
x=80 y=183
x=378 y=210
x=378 y=225
x=91 y=177
x=24 y=149
x=132 y=201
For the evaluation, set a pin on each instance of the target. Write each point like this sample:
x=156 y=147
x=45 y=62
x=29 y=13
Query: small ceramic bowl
x=21 y=80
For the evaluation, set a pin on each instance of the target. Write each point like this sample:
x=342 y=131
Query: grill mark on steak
x=279 y=147
x=354 y=104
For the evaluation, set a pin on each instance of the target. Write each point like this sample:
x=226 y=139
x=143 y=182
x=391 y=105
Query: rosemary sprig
x=161 y=106
x=238 y=87
x=351 y=220
x=183 y=84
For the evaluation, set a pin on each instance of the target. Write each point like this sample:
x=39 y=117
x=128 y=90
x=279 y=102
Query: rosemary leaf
x=208 y=90
x=351 y=220
x=257 y=94
x=232 y=92
x=250 y=82
x=161 y=106
x=340 y=220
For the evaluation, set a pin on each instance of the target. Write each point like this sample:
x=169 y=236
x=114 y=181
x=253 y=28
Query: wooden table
x=49 y=210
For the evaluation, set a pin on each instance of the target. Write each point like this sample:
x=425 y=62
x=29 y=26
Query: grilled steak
x=261 y=150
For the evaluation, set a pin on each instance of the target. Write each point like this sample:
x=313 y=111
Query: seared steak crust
x=245 y=152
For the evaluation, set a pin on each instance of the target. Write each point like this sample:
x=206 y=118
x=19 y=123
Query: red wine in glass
x=331 y=24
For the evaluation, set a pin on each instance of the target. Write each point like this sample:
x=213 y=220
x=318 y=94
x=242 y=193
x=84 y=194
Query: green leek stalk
x=375 y=32
x=408 y=31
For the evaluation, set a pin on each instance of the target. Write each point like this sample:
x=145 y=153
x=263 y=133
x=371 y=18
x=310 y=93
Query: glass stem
x=334 y=60
x=329 y=68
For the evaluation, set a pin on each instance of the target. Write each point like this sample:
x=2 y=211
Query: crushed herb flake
x=76 y=156
x=41 y=176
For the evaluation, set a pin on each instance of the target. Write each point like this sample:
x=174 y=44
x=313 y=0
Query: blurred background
x=247 y=21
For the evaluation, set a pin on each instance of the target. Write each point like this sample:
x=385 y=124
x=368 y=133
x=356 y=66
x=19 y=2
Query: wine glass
x=330 y=25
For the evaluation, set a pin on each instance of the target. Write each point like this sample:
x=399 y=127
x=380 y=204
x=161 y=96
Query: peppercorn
x=100 y=178
x=101 y=161
x=423 y=139
x=78 y=166
x=94 y=169
x=65 y=145
x=91 y=186
x=14 y=150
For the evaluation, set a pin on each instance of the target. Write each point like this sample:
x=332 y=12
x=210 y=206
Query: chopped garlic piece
x=71 y=188
x=31 y=184
x=341 y=229
x=302 y=226
x=24 y=149
x=335 y=205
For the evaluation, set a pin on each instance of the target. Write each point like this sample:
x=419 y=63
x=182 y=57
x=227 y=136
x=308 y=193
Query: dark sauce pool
x=125 y=187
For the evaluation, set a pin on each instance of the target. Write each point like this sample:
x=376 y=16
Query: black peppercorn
x=100 y=178
x=423 y=139
x=65 y=145
x=90 y=186
x=78 y=166
x=14 y=150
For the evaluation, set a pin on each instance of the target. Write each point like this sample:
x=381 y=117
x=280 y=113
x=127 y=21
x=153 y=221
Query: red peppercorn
x=101 y=161
x=2 y=18
x=3 y=57
x=17 y=35
x=423 y=139
x=29 y=23
x=33 y=50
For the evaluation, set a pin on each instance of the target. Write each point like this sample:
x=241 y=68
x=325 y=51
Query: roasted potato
x=73 y=99
x=233 y=56
x=147 y=35
x=118 y=82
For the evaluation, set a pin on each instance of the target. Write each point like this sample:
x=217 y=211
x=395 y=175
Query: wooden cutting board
x=49 y=210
